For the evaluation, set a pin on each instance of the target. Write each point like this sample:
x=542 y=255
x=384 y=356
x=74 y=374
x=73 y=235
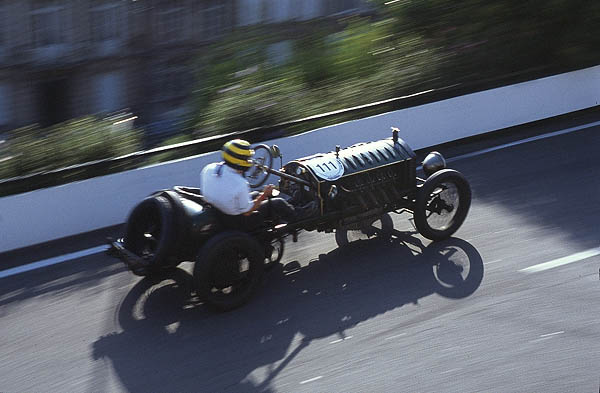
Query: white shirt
x=227 y=191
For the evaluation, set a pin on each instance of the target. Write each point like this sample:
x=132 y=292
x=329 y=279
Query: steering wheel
x=263 y=160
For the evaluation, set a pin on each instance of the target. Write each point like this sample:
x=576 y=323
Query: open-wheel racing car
x=355 y=187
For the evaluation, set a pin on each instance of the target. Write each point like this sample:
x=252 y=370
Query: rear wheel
x=381 y=227
x=442 y=204
x=228 y=270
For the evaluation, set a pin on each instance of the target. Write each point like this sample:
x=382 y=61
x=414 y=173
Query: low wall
x=56 y=212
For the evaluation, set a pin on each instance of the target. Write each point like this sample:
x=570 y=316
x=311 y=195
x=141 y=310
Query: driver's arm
x=267 y=192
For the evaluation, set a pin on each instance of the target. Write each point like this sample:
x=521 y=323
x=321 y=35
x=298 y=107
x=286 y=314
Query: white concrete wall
x=70 y=209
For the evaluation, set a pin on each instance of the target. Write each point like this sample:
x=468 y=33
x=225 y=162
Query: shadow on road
x=170 y=342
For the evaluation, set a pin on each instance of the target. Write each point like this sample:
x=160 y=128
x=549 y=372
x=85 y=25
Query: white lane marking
x=492 y=262
x=552 y=334
x=311 y=380
x=523 y=141
x=562 y=261
x=546 y=336
x=340 y=340
x=33 y=266
x=52 y=261
x=520 y=142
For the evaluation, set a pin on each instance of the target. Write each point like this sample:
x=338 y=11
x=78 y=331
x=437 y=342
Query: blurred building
x=61 y=59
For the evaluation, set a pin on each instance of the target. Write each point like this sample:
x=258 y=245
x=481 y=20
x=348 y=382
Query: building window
x=171 y=22
x=49 y=25
x=213 y=20
x=106 y=22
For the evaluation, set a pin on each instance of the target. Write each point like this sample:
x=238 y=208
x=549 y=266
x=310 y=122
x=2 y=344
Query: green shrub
x=34 y=149
x=173 y=155
x=311 y=60
x=256 y=101
x=363 y=63
x=354 y=49
x=492 y=39
x=216 y=70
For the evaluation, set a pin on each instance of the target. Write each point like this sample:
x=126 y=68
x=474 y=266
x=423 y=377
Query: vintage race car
x=355 y=187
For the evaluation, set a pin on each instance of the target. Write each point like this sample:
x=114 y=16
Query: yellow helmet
x=237 y=154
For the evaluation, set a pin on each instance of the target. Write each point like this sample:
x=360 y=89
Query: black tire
x=274 y=253
x=381 y=228
x=436 y=214
x=149 y=233
x=228 y=270
x=257 y=177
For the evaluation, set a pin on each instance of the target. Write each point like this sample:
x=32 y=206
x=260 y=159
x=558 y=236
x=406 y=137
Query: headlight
x=433 y=163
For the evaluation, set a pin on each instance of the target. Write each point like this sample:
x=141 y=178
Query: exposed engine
x=366 y=175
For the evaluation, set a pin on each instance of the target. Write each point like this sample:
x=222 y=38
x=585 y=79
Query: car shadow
x=171 y=342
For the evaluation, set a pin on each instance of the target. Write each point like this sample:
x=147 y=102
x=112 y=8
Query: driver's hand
x=268 y=190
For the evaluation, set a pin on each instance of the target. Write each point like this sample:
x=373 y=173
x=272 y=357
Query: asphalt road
x=402 y=316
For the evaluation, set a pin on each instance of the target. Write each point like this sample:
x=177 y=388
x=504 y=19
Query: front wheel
x=228 y=270
x=442 y=204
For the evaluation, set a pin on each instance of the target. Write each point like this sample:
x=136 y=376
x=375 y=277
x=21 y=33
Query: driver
x=224 y=186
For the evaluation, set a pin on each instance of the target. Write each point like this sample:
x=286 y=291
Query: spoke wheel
x=442 y=204
x=257 y=175
x=381 y=227
x=228 y=270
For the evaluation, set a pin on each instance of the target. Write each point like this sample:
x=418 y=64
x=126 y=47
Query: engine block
x=368 y=176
